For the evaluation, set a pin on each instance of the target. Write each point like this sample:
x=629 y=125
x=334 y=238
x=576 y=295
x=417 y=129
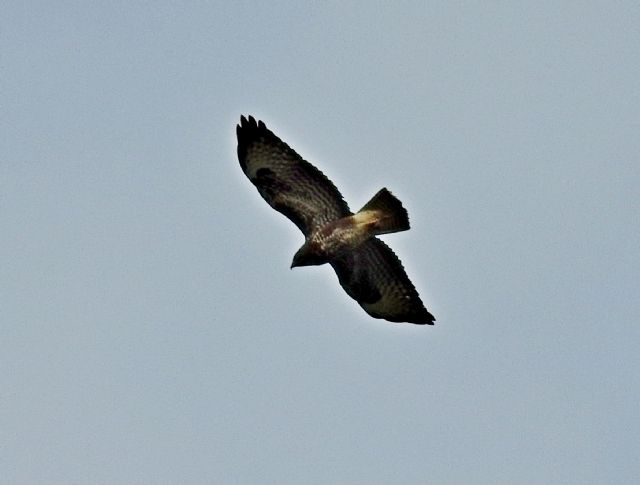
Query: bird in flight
x=367 y=268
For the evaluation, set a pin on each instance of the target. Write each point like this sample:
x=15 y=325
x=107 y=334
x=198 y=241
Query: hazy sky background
x=151 y=329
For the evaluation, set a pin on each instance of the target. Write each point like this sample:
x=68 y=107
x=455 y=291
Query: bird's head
x=308 y=255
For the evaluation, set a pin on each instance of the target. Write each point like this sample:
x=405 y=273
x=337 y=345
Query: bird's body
x=382 y=214
x=367 y=269
x=344 y=234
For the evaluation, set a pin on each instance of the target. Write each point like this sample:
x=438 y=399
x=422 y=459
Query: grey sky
x=151 y=330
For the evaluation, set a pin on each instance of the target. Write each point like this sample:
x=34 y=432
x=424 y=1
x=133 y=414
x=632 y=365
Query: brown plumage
x=367 y=268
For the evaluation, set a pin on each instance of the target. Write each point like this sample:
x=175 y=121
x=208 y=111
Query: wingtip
x=423 y=317
x=428 y=320
x=250 y=122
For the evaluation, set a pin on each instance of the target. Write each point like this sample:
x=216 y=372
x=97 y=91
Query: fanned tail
x=385 y=213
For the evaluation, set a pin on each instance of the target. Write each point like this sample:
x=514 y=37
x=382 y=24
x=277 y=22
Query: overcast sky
x=151 y=329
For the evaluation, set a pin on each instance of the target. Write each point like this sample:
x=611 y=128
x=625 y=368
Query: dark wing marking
x=373 y=275
x=288 y=183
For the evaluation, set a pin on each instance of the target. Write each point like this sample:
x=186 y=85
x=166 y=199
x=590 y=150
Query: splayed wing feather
x=290 y=184
x=373 y=275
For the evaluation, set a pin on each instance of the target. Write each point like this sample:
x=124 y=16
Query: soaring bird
x=367 y=268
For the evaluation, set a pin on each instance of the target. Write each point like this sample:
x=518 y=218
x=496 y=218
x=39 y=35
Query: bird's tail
x=383 y=214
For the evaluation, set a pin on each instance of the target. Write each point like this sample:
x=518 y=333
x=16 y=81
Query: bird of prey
x=367 y=268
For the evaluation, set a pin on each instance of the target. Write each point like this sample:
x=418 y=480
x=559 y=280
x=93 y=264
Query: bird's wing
x=288 y=183
x=373 y=275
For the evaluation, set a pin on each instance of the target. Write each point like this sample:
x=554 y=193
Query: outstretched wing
x=373 y=275
x=288 y=183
